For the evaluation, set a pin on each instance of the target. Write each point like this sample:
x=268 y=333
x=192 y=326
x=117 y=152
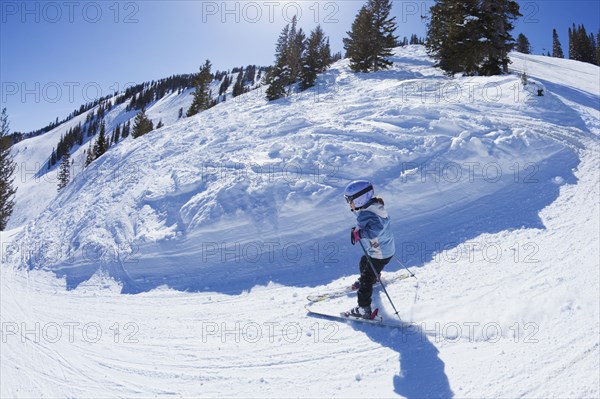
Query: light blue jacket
x=375 y=231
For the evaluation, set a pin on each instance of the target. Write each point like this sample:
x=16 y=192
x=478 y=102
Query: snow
x=222 y=223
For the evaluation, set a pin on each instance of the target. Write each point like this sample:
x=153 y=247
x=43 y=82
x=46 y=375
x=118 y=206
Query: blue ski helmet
x=359 y=191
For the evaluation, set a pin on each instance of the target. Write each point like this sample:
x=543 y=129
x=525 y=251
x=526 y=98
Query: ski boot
x=363 y=312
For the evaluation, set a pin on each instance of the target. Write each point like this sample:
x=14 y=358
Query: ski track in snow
x=526 y=325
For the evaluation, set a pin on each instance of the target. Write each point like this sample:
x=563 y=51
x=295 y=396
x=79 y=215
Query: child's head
x=358 y=194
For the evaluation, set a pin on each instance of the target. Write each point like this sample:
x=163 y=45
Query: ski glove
x=354 y=235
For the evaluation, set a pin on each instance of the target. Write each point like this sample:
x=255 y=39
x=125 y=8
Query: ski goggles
x=350 y=198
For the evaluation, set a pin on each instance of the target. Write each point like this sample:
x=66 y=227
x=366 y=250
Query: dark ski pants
x=367 y=278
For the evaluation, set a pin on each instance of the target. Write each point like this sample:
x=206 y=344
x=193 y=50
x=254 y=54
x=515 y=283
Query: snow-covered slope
x=36 y=185
x=494 y=197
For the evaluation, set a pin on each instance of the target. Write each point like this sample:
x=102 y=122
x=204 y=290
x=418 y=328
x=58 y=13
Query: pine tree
x=573 y=43
x=238 y=87
x=589 y=52
x=593 y=50
x=289 y=53
x=556 y=47
x=79 y=134
x=53 y=159
x=325 y=57
x=384 y=27
x=141 y=124
x=7 y=168
x=358 y=43
x=437 y=44
x=496 y=19
x=117 y=134
x=160 y=124
x=585 y=44
x=180 y=114
x=472 y=36
x=126 y=129
x=316 y=58
x=598 y=49
x=370 y=41
x=582 y=47
x=89 y=158
x=202 y=95
x=224 y=85
x=101 y=143
x=295 y=51
x=454 y=36
x=277 y=77
x=64 y=173
x=523 y=45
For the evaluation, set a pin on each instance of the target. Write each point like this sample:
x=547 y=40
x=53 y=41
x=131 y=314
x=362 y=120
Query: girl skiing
x=373 y=232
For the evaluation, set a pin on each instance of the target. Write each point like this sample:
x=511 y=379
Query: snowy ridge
x=37 y=185
x=507 y=264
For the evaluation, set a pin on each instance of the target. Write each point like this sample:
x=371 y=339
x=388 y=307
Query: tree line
x=582 y=47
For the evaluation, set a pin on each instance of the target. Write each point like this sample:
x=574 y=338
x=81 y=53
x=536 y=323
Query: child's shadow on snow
x=422 y=372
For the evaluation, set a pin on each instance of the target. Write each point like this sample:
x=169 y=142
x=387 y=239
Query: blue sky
x=56 y=55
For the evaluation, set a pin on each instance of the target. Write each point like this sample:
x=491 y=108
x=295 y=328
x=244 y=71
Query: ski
x=377 y=320
x=350 y=290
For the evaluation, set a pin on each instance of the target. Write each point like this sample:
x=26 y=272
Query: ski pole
x=380 y=281
x=407 y=269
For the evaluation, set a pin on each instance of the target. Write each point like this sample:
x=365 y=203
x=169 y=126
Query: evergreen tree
x=89 y=158
x=53 y=159
x=278 y=76
x=79 y=137
x=384 y=27
x=556 y=47
x=141 y=124
x=224 y=85
x=180 y=114
x=289 y=52
x=64 y=173
x=202 y=95
x=589 y=47
x=325 y=57
x=316 y=58
x=598 y=49
x=7 y=168
x=454 y=36
x=160 y=124
x=295 y=51
x=358 y=43
x=496 y=19
x=581 y=46
x=523 y=45
x=238 y=87
x=117 y=134
x=101 y=143
x=371 y=39
x=126 y=130
x=472 y=36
